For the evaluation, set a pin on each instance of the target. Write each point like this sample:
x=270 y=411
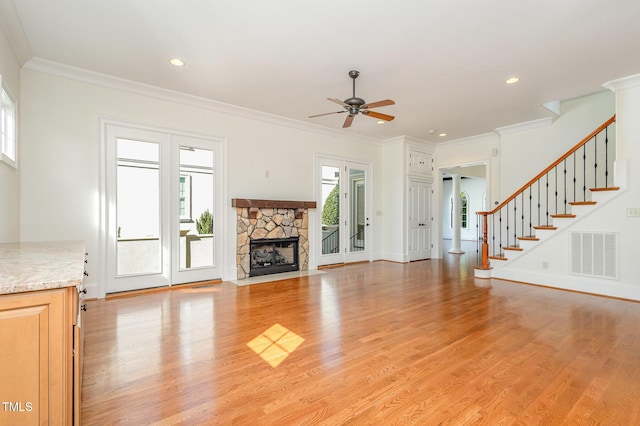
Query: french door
x=164 y=213
x=344 y=200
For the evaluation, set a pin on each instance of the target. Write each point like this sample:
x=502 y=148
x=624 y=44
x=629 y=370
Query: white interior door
x=163 y=213
x=419 y=220
x=344 y=202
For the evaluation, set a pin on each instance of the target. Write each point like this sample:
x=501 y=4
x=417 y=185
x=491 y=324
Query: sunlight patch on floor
x=275 y=344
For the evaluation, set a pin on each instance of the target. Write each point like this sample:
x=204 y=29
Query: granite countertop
x=41 y=265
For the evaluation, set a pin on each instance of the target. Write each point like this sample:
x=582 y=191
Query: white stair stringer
x=559 y=223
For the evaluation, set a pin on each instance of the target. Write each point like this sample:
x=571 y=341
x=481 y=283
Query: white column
x=456 y=225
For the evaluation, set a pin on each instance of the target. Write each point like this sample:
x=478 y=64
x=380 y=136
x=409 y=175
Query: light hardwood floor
x=376 y=343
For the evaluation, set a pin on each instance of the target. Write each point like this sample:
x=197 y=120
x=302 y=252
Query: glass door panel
x=357 y=212
x=357 y=219
x=196 y=209
x=195 y=205
x=139 y=248
x=330 y=209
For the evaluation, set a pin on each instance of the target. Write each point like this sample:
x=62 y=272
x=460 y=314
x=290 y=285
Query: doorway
x=459 y=225
x=344 y=199
x=163 y=208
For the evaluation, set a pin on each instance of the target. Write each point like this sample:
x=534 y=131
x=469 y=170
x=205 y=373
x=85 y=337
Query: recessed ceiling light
x=442 y=135
x=381 y=121
x=512 y=80
x=177 y=62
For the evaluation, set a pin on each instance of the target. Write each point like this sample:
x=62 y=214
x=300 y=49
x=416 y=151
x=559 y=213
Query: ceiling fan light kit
x=355 y=105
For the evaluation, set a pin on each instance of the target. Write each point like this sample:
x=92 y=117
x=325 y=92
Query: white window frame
x=8 y=131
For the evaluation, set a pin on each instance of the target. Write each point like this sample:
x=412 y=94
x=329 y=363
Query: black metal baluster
x=564 y=163
x=515 y=222
x=530 y=213
x=507 y=229
x=575 y=177
x=584 y=167
x=556 y=210
x=500 y=239
x=522 y=215
x=595 y=159
x=539 y=202
x=547 y=204
x=606 y=157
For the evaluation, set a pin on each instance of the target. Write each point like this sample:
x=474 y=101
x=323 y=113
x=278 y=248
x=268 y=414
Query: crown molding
x=491 y=137
x=527 y=125
x=623 y=83
x=117 y=83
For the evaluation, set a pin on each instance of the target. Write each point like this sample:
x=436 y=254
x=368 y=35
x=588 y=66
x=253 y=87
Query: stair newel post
x=485 y=240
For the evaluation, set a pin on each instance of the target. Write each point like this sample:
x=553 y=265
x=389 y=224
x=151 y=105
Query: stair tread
x=529 y=238
x=610 y=188
x=552 y=228
x=513 y=248
x=555 y=216
x=582 y=203
x=498 y=258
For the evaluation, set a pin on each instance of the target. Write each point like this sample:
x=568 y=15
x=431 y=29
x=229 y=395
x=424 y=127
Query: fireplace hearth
x=273 y=255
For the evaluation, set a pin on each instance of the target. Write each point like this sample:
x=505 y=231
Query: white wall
x=9 y=176
x=542 y=146
x=393 y=195
x=60 y=157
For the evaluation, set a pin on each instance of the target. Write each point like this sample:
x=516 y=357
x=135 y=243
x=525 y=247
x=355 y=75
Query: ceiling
x=443 y=62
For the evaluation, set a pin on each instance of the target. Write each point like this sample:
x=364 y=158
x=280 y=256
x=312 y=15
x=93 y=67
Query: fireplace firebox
x=273 y=255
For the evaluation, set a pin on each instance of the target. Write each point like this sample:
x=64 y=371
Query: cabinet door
x=32 y=359
x=420 y=163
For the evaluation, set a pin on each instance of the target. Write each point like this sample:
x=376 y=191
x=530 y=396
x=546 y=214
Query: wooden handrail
x=554 y=164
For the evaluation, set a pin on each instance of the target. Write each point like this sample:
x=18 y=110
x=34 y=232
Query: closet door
x=419 y=220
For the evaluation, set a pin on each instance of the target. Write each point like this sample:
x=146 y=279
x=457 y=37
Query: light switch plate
x=633 y=212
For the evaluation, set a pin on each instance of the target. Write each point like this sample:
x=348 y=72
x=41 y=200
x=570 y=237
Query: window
x=185 y=198
x=464 y=216
x=7 y=127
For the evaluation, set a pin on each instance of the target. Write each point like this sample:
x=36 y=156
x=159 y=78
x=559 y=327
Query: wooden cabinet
x=36 y=359
x=40 y=339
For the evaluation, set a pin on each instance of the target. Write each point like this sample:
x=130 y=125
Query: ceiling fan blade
x=338 y=101
x=326 y=113
x=378 y=115
x=348 y=121
x=386 y=102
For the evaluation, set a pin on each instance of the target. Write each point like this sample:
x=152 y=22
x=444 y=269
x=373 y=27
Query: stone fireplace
x=260 y=221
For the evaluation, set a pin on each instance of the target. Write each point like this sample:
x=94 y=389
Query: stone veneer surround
x=270 y=222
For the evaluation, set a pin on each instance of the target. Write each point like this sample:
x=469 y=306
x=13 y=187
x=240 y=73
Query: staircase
x=579 y=210
x=566 y=191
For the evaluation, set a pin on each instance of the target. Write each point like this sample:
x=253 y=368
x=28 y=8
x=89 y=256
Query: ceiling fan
x=354 y=105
